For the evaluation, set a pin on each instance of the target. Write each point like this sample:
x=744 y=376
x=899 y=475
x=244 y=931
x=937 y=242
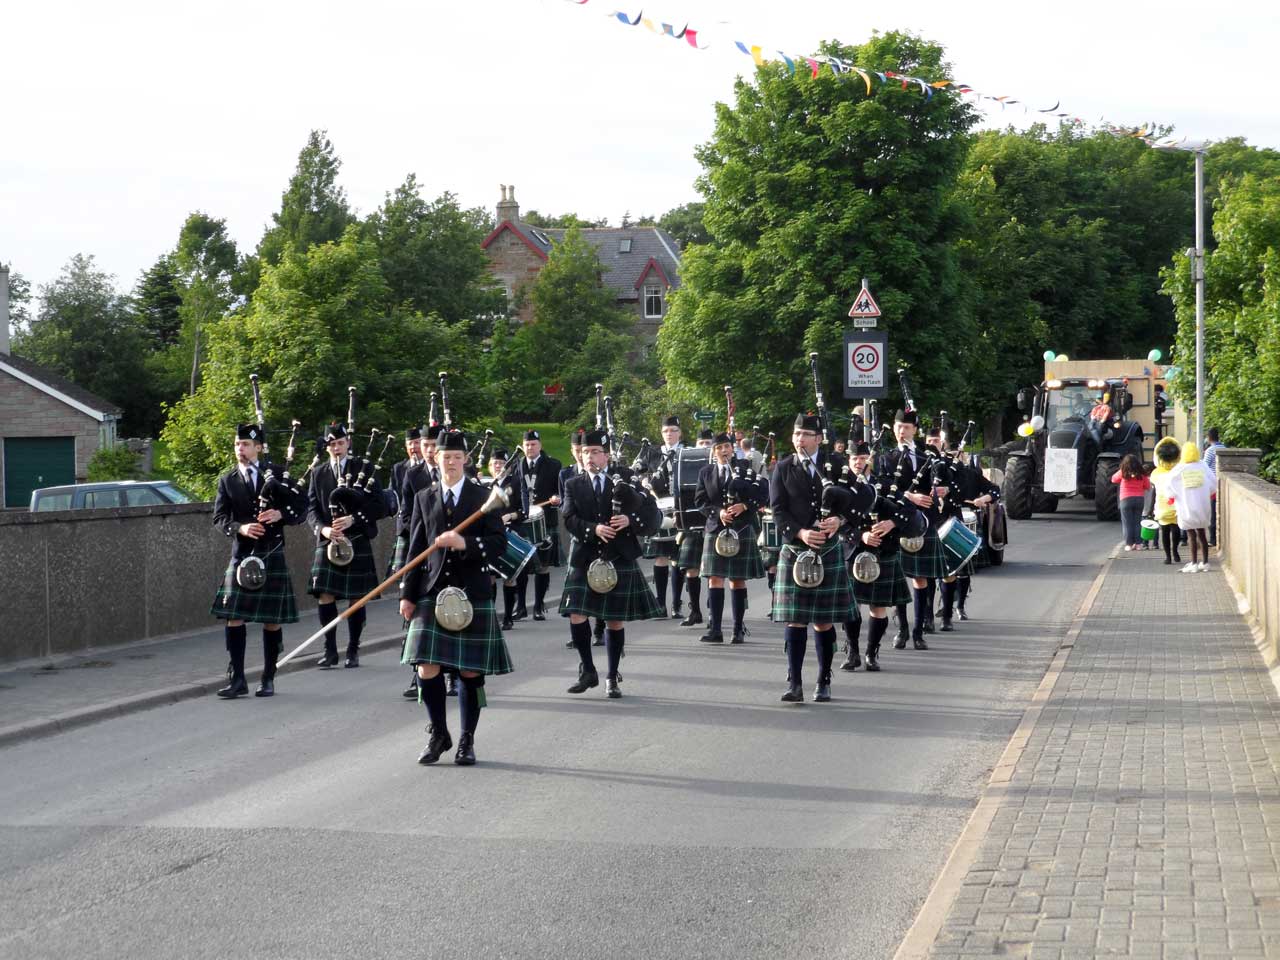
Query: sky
x=123 y=118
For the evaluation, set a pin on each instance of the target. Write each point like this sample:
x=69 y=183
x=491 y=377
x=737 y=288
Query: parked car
x=117 y=493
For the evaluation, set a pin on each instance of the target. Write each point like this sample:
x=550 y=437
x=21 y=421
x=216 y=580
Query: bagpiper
x=539 y=475
x=661 y=468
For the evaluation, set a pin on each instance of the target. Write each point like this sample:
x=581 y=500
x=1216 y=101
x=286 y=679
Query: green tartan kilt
x=400 y=555
x=928 y=562
x=747 y=565
x=826 y=603
x=346 y=583
x=689 y=556
x=890 y=588
x=631 y=599
x=273 y=603
x=480 y=647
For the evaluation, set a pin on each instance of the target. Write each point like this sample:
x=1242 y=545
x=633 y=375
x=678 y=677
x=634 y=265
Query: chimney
x=508 y=209
x=4 y=309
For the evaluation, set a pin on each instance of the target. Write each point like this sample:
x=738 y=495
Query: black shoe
x=521 y=612
x=794 y=694
x=611 y=689
x=740 y=634
x=917 y=641
x=436 y=745
x=539 y=613
x=946 y=625
x=266 y=688
x=352 y=661
x=570 y=644
x=873 y=665
x=963 y=615
x=451 y=685
x=236 y=688
x=466 y=755
x=598 y=641
x=411 y=692
x=900 y=641
x=661 y=614
x=328 y=662
x=712 y=636
x=677 y=612
x=509 y=624
x=851 y=661
x=586 y=680
x=693 y=619
x=822 y=692
x=929 y=627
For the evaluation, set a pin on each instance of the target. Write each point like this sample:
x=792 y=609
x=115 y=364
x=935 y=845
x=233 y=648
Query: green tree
x=685 y=224
x=562 y=222
x=19 y=301
x=206 y=261
x=86 y=331
x=1242 y=318
x=812 y=184
x=157 y=300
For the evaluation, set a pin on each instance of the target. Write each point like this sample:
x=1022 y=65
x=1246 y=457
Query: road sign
x=704 y=416
x=866 y=364
x=864 y=323
x=864 y=305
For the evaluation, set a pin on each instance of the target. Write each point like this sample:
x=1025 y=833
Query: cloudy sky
x=122 y=118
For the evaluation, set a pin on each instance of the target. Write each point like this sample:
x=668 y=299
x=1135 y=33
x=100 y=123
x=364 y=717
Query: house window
x=652 y=301
x=624 y=245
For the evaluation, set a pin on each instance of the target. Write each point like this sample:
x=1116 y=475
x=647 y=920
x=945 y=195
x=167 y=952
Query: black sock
x=901 y=609
x=522 y=590
x=677 y=586
x=932 y=587
x=540 y=583
x=470 y=699
x=431 y=692
x=329 y=613
x=715 y=606
x=770 y=576
x=852 y=630
x=875 y=633
x=963 y=584
x=660 y=575
x=272 y=644
x=921 y=610
x=738 y=600
x=614 y=640
x=797 y=638
x=508 y=601
x=581 y=634
x=824 y=642
x=235 y=648
x=948 y=599
x=355 y=626
x=694 y=586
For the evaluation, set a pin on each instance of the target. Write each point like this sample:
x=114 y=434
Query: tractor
x=1069 y=450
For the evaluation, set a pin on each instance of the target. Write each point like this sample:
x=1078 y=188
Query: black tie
x=448 y=500
x=599 y=486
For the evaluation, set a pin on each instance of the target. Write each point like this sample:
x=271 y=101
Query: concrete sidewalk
x=1137 y=810
x=41 y=697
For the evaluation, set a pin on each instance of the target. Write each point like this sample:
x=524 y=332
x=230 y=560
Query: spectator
x=1165 y=513
x=1211 y=447
x=1192 y=485
x=1134 y=484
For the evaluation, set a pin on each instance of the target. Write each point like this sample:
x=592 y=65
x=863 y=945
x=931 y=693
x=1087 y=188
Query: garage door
x=34 y=462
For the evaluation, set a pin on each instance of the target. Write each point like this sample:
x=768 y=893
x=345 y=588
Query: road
x=696 y=816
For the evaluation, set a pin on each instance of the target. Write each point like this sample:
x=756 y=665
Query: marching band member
x=859 y=470
x=604 y=521
x=927 y=563
x=448 y=601
x=730 y=494
x=400 y=471
x=511 y=520
x=539 y=475
x=238 y=511
x=976 y=489
x=689 y=556
x=660 y=466
x=329 y=581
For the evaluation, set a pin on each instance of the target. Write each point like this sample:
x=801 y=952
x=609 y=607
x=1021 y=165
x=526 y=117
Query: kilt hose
x=345 y=583
x=479 y=648
x=747 y=565
x=928 y=562
x=689 y=554
x=829 y=602
x=273 y=603
x=890 y=588
x=631 y=599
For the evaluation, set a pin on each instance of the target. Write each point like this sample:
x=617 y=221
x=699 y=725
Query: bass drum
x=689 y=463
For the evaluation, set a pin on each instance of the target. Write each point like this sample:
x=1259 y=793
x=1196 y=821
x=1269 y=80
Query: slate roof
x=61 y=384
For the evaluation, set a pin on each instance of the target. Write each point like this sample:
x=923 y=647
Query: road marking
x=928 y=923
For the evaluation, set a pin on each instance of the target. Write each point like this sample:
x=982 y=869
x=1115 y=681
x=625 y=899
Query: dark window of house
x=652 y=301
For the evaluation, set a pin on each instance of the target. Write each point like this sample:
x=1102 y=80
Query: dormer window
x=624 y=245
x=652 y=301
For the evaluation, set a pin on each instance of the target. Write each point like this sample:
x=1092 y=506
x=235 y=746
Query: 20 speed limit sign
x=865 y=364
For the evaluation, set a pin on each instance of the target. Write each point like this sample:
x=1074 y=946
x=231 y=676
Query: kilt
x=480 y=647
x=400 y=555
x=890 y=588
x=928 y=562
x=666 y=548
x=747 y=565
x=273 y=603
x=689 y=555
x=347 y=583
x=631 y=599
x=827 y=603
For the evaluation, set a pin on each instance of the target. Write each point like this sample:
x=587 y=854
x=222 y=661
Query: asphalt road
x=696 y=816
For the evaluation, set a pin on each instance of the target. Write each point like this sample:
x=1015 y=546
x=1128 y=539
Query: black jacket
x=581 y=511
x=753 y=490
x=468 y=569
x=660 y=468
x=323 y=482
x=235 y=504
x=541 y=484
x=398 y=473
x=795 y=497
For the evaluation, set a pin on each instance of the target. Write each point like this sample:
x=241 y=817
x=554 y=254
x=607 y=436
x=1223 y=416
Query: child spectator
x=1192 y=486
x=1134 y=484
x=1165 y=513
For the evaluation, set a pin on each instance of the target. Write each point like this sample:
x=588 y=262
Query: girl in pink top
x=1134 y=483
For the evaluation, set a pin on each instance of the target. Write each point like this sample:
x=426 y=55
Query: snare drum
x=770 y=533
x=959 y=544
x=536 y=527
x=689 y=463
x=667 y=531
x=515 y=556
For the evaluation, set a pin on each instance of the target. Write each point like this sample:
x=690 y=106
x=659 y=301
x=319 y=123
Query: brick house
x=640 y=264
x=49 y=427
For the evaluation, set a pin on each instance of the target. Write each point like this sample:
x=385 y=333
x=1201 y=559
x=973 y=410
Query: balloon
x=1025 y=430
x=1062 y=358
x=1155 y=355
x=1037 y=423
x=1049 y=356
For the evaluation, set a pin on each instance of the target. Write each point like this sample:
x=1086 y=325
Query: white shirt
x=456 y=490
x=248 y=472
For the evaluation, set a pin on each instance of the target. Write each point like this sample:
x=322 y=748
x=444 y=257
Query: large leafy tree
x=685 y=223
x=158 y=299
x=318 y=322
x=812 y=184
x=206 y=260
x=86 y=331
x=19 y=301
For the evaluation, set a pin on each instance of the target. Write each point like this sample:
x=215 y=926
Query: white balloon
x=1037 y=423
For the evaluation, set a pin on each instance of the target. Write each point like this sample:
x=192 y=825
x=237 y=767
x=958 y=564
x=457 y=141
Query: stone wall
x=1248 y=526
x=80 y=579
x=516 y=266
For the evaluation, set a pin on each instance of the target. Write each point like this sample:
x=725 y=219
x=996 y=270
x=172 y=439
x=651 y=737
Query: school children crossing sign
x=865 y=309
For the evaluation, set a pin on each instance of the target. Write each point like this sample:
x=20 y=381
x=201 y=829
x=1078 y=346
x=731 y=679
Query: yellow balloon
x=1025 y=430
